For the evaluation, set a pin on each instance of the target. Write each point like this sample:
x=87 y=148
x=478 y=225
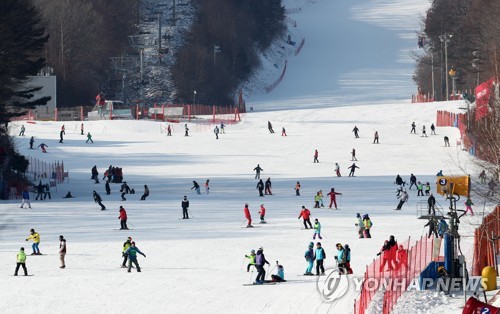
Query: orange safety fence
x=486 y=242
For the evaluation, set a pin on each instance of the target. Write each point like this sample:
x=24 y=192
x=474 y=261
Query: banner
x=453 y=184
x=483 y=93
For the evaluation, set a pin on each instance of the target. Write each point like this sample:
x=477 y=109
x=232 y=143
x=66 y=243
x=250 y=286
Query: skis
x=122 y=229
x=260 y=284
x=244 y=227
x=23 y=275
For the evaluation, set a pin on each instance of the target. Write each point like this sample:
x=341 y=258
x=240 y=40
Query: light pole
x=430 y=50
x=446 y=39
x=194 y=97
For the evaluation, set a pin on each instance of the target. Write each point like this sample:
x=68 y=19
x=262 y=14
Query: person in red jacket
x=262 y=213
x=393 y=248
x=385 y=252
x=123 y=219
x=306 y=215
x=333 y=198
x=402 y=257
x=316 y=156
x=247 y=216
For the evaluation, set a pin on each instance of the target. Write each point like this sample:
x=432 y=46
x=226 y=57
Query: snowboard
x=260 y=284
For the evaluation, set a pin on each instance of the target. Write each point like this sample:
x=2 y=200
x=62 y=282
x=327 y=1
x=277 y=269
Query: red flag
x=483 y=93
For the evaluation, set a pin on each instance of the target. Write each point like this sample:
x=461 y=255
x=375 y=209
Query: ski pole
x=251 y=275
x=243 y=223
x=300 y=224
x=132 y=225
x=268 y=270
x=242 y=263
x=190 y=214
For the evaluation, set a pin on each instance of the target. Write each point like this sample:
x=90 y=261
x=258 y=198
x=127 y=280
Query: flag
x=483 y=93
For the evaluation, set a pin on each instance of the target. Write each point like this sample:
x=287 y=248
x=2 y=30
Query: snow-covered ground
x=196 y=265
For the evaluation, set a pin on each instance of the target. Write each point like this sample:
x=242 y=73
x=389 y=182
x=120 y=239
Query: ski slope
x=196 y=265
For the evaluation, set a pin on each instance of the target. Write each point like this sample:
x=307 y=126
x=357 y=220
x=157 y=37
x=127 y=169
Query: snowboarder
x=403 y=198
x=89 y=138
x=257 y=170
x=337 y=170
x=420 y=189
x=433 y=129
x=353 y=154
x=432 y=227
x=123 y=218
x=424 y=133
x=260 y=187
x=316 y=156
x=375 y=137
x=333 y=198
x=297 y=189
x=268 y=187
x=260 y=261
x=306 y=216
x=431 y=203
x=353 y=169
x=196 y=187
x=62 y=251
x=146 y=193
x=107 y=187
x=319 y=256
x=309 y=256
x=270 y=127
x=248 y=217
x=402 y=258
x=185 y=207
x=36 y=242
x=169 y=130
x=355 y=130
x=413 y=128
x=43 y=146
x=26 y=198
x=186 y=130
x=468 y=206
x=251 y=260
x=216 y=132
x=81 y=129
x=22 y=130
x=283 y=131
x=32 y=141
x=21 y=262
x=207 y=187
x=317 y=229
x=222 y=126
x=262 y=213
x=124 y=189
x=368 y=225
x=98 y=199
x=126 y=245
x=361 y=226
x=132 y=257
x=446 y=141
x=442 y=227
x=413 y=181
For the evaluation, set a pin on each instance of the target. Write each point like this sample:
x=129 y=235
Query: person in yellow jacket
x=126 y=245
x=21 y=261
x=36 y=241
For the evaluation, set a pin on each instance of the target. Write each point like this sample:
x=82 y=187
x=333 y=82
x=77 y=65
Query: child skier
x=251 y=260
x=89 y=138
x=132 y=256
x=297 y=189
x=368 y=225
x=353 y=169
x=337 y=170
x=319 y=256
x=316 y=200
x=36 y=241
x=341 y=259
x=262 y=213
x=283 y=131
x=207 y=186
x=126 y=245
x=316 y=156
x=248 y=216
x=361 y=226
x=280 y=274
x=402 y=258
x=468 y=203
x=21 y=261
x=305 y=214
x=309 y=256
x=317 y=229
x=420 y=189
x=32 y=141
x=333 y=198
x=321 y=198
x=427 y=188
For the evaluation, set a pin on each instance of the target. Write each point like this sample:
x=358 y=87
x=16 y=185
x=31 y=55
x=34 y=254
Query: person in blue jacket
x=341 y=258
x=317 y=229
x=132 y=256
x=442 y=227
x=26 y=198
x=319 y=256
x=280 y=274
x=309 y=256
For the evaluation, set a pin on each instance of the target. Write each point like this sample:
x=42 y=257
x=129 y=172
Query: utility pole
x=173 y=13
x=446 y=38
x=159 y=32
x=430 y=50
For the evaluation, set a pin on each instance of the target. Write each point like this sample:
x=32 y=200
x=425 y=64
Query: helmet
x=252 y=251
x=311 y=244
x=358 y=215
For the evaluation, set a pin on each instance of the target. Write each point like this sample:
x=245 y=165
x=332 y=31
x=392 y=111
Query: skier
x=353 y=154
x=413 y=181
x=216 y=132
x=424 y=133
x=89 y=138
x=368 y=225
x=399 y=180
x=306 y=215
x=316 y=200
x=61 y=136
x=39 y=191
x=257 y=170
x=186 y=130
x=442 y=227
x=81 y=129
x=63 y=130
x=341 y=259
x=440 y=173
x=468 y=203
x=386 y=254
x=317 y=229
x=280 y=274
x=222 y=126
x=333 y=198
x=283 y=131
x=123 y=218
x=393 y=248
x=420 y=189
x=432 y=227
x=22 y=130
x=403 y=198
x=262 y=213
x=297 y=189
x=491 y=187
x=319 y=256
x=355 y=130
x=26 y=198
x=375 y=137
x=146 y=193
x=43 y=146
x=46 y=191
x=433 y=129
x=62 y=251
x=431 y=203
x=270 y=127
x=413 y=128
x=353 y=168
x=427 y=188
x=124 y=189
x=36 y=242
x=207 y=186
x=316 y=156
x=268 y=187
x=482 y=177
x=320 y=194
x=347 y=250
x=107 y=187
x=446 y=141
x=21 y=261
x=361 y=226
x=32 y=141
x=337 y=170
x=196 y=187
x=98 y=200
x=260 y=187
x=260 y=261
x=95 y=174
x=251 y=260
x=402 y=258
x=309 y=256
x=169 y=130
x=126 y=245
x=248 y=217
x=132 y=256
x=185 y=207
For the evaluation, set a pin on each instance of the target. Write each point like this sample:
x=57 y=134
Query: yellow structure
x=453 y=184
x=489 y=276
